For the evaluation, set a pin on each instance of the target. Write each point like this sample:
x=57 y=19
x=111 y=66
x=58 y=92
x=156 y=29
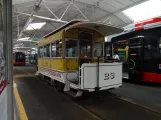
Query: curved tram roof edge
x=102 y=28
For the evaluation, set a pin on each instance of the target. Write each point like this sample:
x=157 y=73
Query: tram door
x=85 y=47
x=135 y=58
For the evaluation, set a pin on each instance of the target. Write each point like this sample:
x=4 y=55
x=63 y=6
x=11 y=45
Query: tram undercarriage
x=90 y=77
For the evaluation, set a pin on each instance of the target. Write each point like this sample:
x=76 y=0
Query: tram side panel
x=104 y=76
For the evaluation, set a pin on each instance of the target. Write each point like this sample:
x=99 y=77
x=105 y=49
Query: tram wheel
x=58 y=86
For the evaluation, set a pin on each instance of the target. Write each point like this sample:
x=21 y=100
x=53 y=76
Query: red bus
x=19 y=58
x=140 y=50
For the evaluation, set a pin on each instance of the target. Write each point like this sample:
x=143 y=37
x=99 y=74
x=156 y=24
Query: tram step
x=74 y=86
x=75 y=82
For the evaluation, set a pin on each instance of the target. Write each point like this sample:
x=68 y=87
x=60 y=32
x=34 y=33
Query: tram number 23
x=109 y=76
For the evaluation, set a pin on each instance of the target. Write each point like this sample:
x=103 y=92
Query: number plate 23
x=109 y=76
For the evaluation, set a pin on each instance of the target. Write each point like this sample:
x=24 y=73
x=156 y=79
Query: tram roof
x=102 y=28
x=63 y=27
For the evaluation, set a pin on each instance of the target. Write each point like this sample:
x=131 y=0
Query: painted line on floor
x=20 y=76
x=29 y=74
x=135 y=103
x=113 y=95
x=21 y=108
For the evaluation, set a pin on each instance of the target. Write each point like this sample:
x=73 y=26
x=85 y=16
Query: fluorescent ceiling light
x=106 y=38
x=23 y=39
x=34 y=48
x=35 y=26
x=145 y=10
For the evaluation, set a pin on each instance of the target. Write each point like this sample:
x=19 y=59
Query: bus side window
x=151 y=48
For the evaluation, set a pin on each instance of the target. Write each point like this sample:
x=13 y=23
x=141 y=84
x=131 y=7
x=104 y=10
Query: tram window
x=98 y=49
x=86 y=50
x=53 y=49
x=58 y=48
x=47 y=50
x=71 y=48
x=108 y=50
x=40 y=50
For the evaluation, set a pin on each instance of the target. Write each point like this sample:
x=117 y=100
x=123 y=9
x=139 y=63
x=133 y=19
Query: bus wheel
x=58 y=86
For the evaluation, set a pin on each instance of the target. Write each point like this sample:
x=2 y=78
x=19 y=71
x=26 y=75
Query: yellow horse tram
x=72 y=57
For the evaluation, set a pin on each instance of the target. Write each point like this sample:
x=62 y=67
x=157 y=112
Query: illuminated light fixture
x=33 y=52
x=24 y=39
x=107 y=39
x=60 y=42
x=35 y=26
x=145 y=10
x=133 y=54
x=15 y=47
x=34 y=48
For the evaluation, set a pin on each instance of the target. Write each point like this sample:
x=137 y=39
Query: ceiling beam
x=42 y=17
x=30 y=19
x=95 y=6
x=50 y=11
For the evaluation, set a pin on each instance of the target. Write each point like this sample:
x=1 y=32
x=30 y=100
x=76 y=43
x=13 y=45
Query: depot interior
x=139 y=47
x=50 y=15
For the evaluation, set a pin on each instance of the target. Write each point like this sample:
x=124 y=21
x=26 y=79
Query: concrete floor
x=41 y=102
x=146 y=95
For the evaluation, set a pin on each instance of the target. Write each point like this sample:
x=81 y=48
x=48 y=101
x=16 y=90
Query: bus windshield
x=20 y=57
